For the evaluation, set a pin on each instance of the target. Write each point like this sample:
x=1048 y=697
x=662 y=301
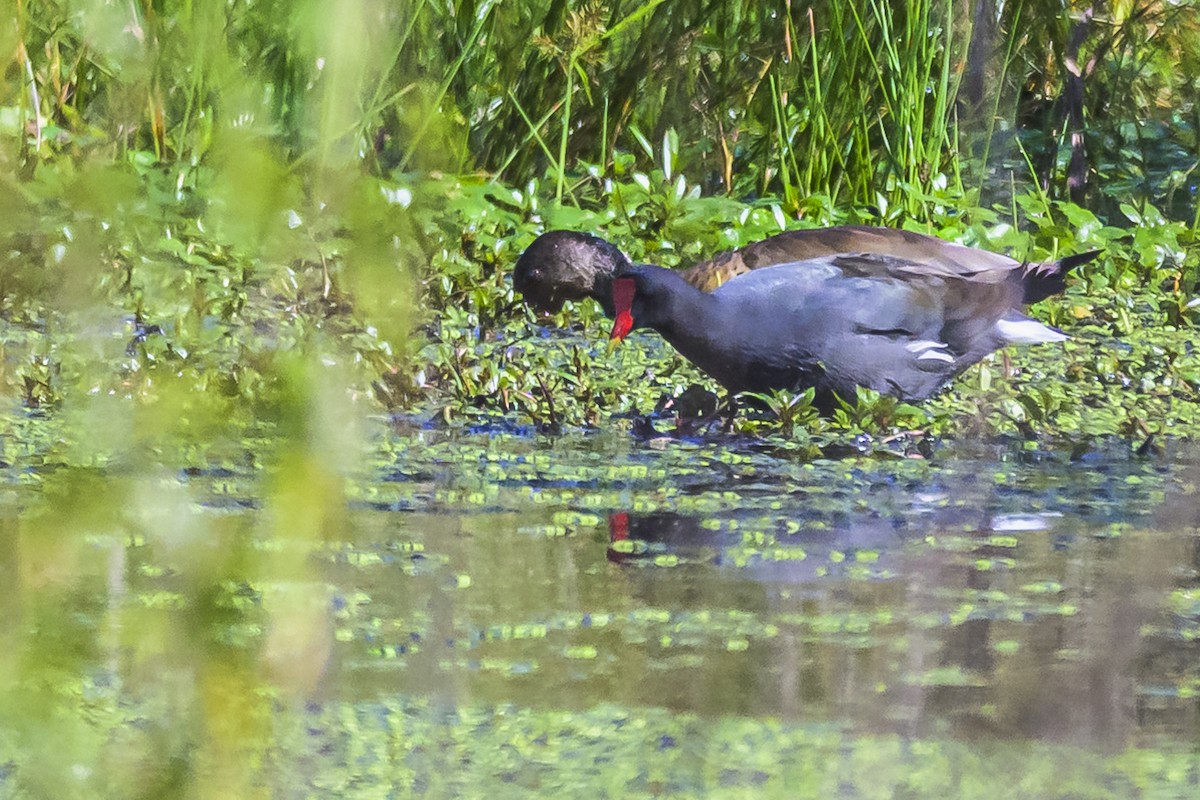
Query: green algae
x=688 y=586
x=418 y=747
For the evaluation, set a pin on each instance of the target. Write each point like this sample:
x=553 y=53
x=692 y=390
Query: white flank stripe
x=936 y=355
x=1023 y=330
x=924 y=344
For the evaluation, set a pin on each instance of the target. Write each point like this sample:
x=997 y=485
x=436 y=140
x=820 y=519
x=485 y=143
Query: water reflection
x=978 y=597
x=964 y=598
x=1022 y=626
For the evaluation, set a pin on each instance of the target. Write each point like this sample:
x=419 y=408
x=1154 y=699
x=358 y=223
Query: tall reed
x=828 y=101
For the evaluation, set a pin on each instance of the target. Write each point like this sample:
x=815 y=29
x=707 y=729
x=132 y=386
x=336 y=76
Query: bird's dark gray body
x=835 y=323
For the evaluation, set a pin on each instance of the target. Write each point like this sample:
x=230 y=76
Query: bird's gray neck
x=689 y=319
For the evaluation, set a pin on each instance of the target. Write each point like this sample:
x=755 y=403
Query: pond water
x=498 y=613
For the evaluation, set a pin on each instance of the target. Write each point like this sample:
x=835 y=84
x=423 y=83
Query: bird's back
x=857 y=319
x=919 y=250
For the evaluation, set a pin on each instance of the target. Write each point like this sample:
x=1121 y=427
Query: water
x=497 y=613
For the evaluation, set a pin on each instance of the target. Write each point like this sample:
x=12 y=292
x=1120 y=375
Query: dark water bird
x=568 y=265
x=834 y=323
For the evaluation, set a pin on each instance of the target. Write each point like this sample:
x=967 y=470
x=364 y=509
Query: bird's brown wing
x=801 y=245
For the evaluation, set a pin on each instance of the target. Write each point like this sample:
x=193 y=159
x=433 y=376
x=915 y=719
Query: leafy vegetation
x=195 y=191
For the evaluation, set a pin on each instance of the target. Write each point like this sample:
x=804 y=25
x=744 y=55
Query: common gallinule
x=567 y=265
x=898 y=326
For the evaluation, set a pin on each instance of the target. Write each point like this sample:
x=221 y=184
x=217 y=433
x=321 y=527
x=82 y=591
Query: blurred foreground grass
x=235 y=235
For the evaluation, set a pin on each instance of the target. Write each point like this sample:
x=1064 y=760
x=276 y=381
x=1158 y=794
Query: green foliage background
x=232 y=232
x=196 y=192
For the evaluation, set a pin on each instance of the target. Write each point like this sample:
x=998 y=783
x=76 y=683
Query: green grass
x=830 y=102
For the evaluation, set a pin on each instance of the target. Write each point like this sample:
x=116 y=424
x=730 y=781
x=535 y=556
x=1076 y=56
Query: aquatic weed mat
x=434 y=747
x=512 y=615
x=425 y=748
x=495 y=468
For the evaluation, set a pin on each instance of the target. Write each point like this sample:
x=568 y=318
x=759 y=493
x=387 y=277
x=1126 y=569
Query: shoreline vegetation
x=203 y=201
